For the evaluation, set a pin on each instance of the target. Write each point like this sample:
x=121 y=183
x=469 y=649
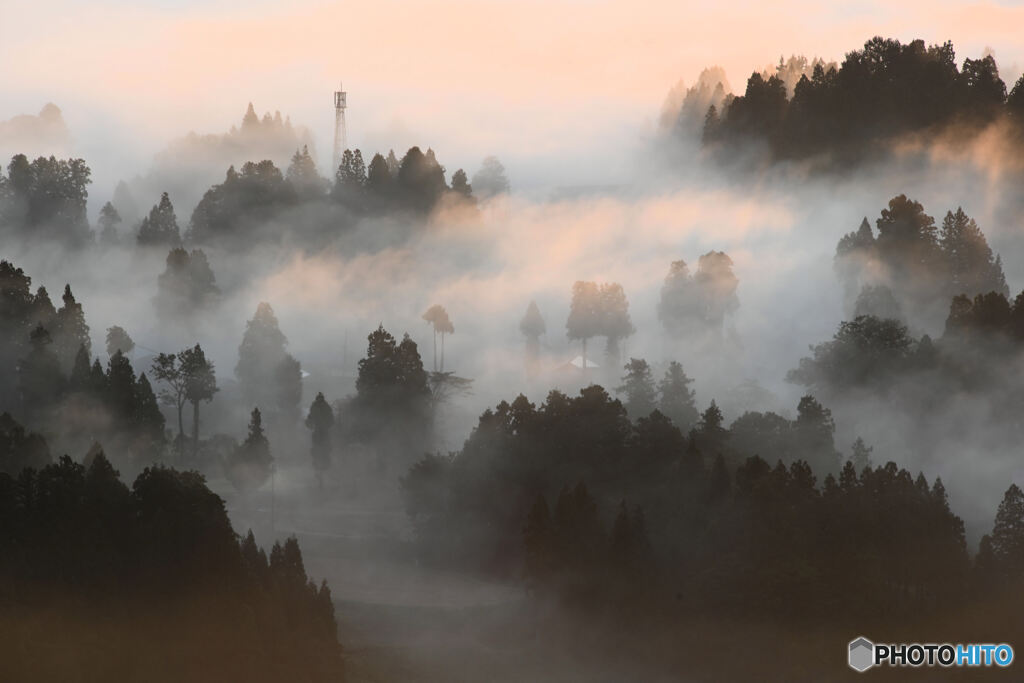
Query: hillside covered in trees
x=840 y=114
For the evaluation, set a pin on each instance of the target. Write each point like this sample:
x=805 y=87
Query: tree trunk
x=181 y=423
x=435 y=349
x=195 y=431
x=178 y=448
x=442 y=352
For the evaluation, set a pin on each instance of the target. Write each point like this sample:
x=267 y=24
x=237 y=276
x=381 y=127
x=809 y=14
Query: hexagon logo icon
x=862 y=654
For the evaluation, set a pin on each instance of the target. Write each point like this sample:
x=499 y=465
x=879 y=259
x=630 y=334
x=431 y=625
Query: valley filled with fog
x=534 y=416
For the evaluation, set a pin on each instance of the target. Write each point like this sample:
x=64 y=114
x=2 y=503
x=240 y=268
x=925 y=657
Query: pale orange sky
x=520 y=78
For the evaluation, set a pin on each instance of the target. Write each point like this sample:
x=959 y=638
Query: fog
x=780 y=229
x=601 y=190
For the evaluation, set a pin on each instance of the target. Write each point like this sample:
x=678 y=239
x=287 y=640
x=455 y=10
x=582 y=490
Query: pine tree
x=972 y=268
x=710 y=425
x=40 y=379
x=379 y=176
x=249 y=466
x=814 y=429
x=460 y=184
x=267 y=374
x=358 y=169
x=200 y=385
x=861 y=455
x=303 y=176
x=677 y=399
x=42 y=311
x=1008 y=534
x=121 y=395
x=81 y=372
x=393 y=163
x=160 y=227
x=320 y=420
x=638 y=386
x=146 y=415
x=108 y=222
x=72 y=331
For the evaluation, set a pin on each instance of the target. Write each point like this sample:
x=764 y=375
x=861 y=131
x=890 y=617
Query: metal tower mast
x=340 y=141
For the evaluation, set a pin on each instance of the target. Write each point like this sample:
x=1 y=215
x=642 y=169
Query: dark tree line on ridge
x=152 y=582
x=46 y=199
x=885 y=90
x=65 y=396
x=583 y=503
x=477 y=497
x=61 y=391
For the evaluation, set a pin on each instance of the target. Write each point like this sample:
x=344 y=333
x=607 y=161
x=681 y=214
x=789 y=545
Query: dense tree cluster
x=20 y=448
x=253 y=196
x=884 y=90
x=599 y=311
x=519 y=450
x=914 y=265
x=692 y=304
x=258 y=203
x=154 y=570
x=46 y=199
x=160 y=227
x=254 y=201
x=671 y=396
x=719 y=529
x=56 y=386
x=393 y=406
x=876 y=357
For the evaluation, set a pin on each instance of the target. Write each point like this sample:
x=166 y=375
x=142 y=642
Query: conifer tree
x=108 y=222
x=160 y=227
x=676 y=399
x=40 y=379
x=267 y=374
x=320 y=420
x=638 y=386
x=200 y=385
x=1008 y=534
x=532 y=326
x=249 y=466
x=72 y=331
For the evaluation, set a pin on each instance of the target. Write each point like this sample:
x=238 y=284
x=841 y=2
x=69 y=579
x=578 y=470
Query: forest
x=627 y=423
x=846 y=113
